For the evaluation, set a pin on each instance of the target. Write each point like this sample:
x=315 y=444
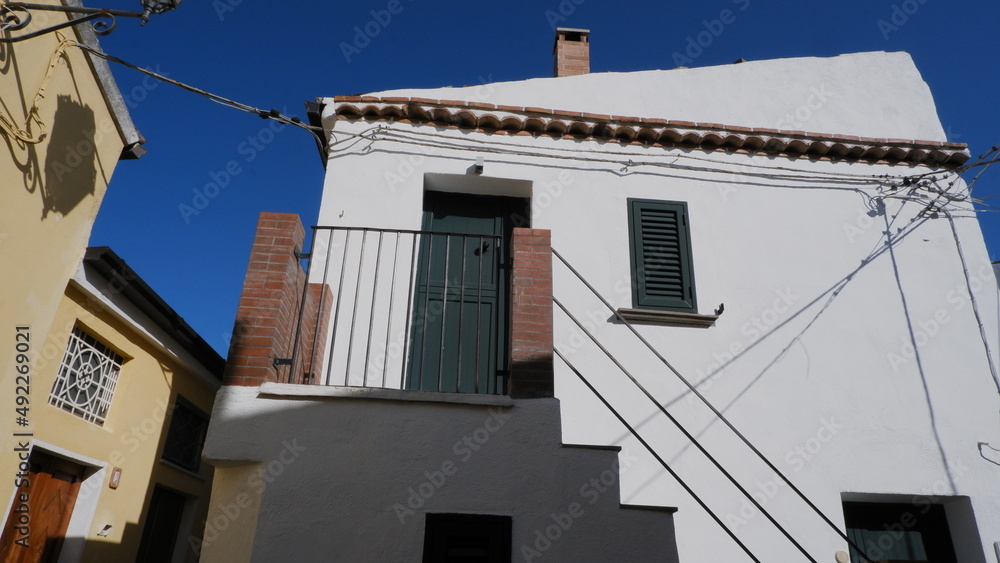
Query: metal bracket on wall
x=15 y=16
x=277 y=362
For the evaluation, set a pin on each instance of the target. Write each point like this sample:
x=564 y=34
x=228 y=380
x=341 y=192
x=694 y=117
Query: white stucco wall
x=350 y=478
x=860 y=94
x=856 y=366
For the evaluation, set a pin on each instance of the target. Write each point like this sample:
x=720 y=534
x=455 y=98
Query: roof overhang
x=131 y=137
x=515 y=120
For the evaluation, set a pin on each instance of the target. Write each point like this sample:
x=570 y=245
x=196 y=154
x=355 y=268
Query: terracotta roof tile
x=629 y=129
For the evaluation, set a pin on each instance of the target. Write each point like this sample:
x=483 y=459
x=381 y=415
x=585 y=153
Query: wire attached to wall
x=273 y=114
x=23 y=134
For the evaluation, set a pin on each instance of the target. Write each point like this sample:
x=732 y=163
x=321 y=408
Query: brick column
x=531 y=373
x=268 y=312
x=572 y=52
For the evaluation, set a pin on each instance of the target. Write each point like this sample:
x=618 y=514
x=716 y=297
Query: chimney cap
x=571 y=31
x=563 y=32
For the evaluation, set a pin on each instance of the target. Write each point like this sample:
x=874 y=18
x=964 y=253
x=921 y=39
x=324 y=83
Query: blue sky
x=279 y=55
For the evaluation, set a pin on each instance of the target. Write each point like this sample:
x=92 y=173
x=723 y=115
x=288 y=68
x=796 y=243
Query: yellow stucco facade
x=156 y=371
x=54 y=171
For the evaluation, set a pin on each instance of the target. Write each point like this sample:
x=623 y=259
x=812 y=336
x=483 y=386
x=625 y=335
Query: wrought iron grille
x=87 y=378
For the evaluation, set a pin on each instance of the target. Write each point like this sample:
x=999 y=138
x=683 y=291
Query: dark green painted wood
x=660 y=243
x=459 y=329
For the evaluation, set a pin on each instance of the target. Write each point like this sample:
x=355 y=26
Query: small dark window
x=899 y=532
x=467 y=538
x=186 y=436
x=660 y=241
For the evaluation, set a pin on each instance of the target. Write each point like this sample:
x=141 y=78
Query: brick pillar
x=572 y=52
x=268 y=312
x=531 y=373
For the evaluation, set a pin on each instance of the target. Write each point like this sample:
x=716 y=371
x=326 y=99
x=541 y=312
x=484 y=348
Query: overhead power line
x=264 y=114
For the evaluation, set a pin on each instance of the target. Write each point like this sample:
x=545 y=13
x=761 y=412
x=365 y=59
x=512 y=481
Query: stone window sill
x=667 y=318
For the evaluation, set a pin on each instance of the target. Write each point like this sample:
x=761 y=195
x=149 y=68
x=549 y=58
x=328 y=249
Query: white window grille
x=87 y=378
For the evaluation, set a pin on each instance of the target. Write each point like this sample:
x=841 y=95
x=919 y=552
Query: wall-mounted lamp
x=17 y=15
x=480 y=163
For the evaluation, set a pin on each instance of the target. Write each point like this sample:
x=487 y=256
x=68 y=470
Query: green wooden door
x=460 y=306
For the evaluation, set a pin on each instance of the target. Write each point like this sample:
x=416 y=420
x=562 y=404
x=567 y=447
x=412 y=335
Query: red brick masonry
x=531 y=314
x=572 y=56
x=268 y=312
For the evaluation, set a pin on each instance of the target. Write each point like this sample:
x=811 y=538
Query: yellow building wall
x=232 y=522
x=133 y=435
x=50 y=190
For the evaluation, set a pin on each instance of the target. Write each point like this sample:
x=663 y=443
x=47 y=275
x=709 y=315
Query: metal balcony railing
x=411 y=310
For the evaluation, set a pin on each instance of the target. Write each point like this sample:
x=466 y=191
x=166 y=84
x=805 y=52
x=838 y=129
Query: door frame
x=87 y=498
x=517 y=208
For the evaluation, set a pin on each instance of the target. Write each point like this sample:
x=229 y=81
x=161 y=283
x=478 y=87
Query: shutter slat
x=660 y=254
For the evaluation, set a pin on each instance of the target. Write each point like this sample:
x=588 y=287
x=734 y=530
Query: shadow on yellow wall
x=70 y=163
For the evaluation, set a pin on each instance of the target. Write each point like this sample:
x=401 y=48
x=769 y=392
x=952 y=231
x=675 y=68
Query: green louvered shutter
x=662 y=276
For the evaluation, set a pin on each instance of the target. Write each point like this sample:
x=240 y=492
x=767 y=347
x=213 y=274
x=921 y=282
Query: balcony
x=396 y=309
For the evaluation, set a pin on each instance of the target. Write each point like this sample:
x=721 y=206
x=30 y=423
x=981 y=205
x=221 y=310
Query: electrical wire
x=634 y=154
x=22 y=134
x=624 y=165
x=578 y=154
x=273 y=114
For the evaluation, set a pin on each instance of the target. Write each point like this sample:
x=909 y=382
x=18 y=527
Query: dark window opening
x=467 y=538
x=186 y=436
x=899 y=532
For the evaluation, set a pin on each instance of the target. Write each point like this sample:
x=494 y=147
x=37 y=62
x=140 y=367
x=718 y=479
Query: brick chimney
x=572 y=52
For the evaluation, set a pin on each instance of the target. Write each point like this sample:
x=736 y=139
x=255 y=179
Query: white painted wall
x=350 y=478
x=855 y=94
x=857 y=367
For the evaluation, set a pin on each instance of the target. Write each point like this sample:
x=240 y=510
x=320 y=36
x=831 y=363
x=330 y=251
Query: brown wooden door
x=51 y=486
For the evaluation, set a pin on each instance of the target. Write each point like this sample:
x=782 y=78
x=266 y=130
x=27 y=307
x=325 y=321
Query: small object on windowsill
x=668 y=318
x=722 y=307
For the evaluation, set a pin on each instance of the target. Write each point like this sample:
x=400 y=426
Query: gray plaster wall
x=351 y=479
